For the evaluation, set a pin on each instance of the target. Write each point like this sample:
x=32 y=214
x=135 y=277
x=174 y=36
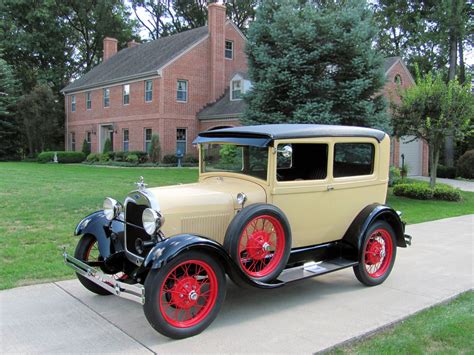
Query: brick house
x=177 y=86
x=155 y=87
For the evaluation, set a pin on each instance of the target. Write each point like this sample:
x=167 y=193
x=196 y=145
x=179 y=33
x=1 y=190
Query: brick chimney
x=110 y=47
x=216 y=23
x=132 y=43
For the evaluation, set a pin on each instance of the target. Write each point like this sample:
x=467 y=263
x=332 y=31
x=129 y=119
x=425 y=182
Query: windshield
x=240 y=159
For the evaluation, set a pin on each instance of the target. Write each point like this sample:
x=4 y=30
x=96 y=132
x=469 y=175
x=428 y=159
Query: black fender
x=101 y=228
x=165 y=251
x=365 y=218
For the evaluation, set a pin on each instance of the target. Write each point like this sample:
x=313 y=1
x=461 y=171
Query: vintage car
x=273 y=204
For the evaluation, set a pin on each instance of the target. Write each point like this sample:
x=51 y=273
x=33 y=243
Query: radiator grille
x=133 y=214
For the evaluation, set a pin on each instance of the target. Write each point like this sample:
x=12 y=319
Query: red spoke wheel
x=259 y=241
x=87 y=250
x=377 y=254
x=184 y=297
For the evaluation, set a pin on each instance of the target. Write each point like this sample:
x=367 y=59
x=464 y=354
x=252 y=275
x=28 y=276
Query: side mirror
x=286 y=151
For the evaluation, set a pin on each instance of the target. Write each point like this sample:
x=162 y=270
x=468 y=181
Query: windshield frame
x=203 y=173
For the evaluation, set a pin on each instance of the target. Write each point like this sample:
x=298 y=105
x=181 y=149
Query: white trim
x=225 y=49
x=123 y=95
x=187 y=90
x=145 y=91
x=144 y=137
x=236 y=28
x=232 y=89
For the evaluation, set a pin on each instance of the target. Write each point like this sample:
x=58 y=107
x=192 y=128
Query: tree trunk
x=434 y=158
x=462 y=67
x=449 y=142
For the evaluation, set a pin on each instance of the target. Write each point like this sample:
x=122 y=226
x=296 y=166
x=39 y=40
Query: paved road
x=305 y=317
x=463 y=185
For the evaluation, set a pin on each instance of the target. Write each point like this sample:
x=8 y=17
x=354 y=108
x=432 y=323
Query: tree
x=9 y=133
x=433 y=109
x=108 y=146
x=155 y=148
x=86 y=148
x=40 y=114
x=313 y=62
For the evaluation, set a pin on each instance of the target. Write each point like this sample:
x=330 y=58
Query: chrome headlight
x=152 y=221
x=112 y=208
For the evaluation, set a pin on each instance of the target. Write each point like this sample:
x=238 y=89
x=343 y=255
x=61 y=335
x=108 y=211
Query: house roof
x=389 y=62
x=222 y=108
x=264 y=134
x=138 y=61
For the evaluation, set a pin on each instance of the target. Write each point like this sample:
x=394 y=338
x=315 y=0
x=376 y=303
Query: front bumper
x=134 y=292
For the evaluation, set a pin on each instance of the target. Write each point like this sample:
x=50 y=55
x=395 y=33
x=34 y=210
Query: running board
x=314 y=269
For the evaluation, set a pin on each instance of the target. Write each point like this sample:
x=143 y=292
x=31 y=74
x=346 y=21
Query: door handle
x=330 y=188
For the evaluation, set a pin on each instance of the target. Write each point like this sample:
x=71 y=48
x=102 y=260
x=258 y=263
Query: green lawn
x=444 y=329
x=41 y=204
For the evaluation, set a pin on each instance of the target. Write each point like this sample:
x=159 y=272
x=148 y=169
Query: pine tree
x=86 y=148
x=313 y=62
x=155 y=148
x=108 y=146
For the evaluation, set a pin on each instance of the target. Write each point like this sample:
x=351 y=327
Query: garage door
x=412 y=150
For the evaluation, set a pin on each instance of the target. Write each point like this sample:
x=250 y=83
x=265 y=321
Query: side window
x=308 y=161
x=353 y=159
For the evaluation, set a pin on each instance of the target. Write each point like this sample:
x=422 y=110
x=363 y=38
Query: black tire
x=161 y=308
x=265 y=264
x=82 y=252
x=367 y=271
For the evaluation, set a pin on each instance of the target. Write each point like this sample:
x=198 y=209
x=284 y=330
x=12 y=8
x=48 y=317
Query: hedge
x=63 y=157
x=422 y=191
x=446 y=172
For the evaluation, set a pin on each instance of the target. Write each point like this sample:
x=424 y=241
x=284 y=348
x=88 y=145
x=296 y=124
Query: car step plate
x=314 y=269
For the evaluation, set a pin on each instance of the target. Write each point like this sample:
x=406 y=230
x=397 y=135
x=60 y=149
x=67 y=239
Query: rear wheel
x=87 y=250
x=377 y=254
x=184 y=296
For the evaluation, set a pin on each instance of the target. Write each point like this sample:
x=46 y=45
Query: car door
x=301 y=189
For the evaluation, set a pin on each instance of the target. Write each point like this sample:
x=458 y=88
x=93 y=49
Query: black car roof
x=267 y=133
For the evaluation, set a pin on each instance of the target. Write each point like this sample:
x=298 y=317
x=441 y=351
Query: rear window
x=353 y=159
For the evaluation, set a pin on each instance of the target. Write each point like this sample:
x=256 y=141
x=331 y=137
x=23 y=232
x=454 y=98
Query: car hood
x=204 y=208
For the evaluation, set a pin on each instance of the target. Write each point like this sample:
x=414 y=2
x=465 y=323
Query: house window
x=89 y=139
x=148 y=133
x=181 y=141
x=229 y=49
x=73 y=103
x=126 y=94
x=398 y=79
x=236 y=93
x=88 y=100
x=73 y=141
x=148 y=90
x=182 y=91
x=353 y=159
x=106 y=93
x=125 y=140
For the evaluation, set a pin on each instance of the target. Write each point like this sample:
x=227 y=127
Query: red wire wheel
x=261 y=246
x=185 y=295
x=259 y=241
x=377 y=254
x=188 y=294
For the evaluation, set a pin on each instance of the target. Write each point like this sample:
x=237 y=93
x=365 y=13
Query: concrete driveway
x=304 y=317
x=463 y=185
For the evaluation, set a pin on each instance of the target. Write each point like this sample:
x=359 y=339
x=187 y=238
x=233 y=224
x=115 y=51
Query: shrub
x=108 y=146
x=104 y=157
x=120 y=156
x=191 y=159
x=132 y=158
x=63 y=157
x=142 y=156
x=394 y=176
x=170 y=159
x=93 y=157
x=465 y=165
x=86 y=148
x=417 y=191
x=155 y=148
x=447 y=193
x=446 y=172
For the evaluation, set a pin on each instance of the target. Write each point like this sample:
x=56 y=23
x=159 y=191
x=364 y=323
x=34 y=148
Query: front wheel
x=377 y=254
x=184 y=296
x=87 y=250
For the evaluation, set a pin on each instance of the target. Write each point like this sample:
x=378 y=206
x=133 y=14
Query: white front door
x=412 y=154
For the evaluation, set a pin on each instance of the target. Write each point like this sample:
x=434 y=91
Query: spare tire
x=259 y=240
